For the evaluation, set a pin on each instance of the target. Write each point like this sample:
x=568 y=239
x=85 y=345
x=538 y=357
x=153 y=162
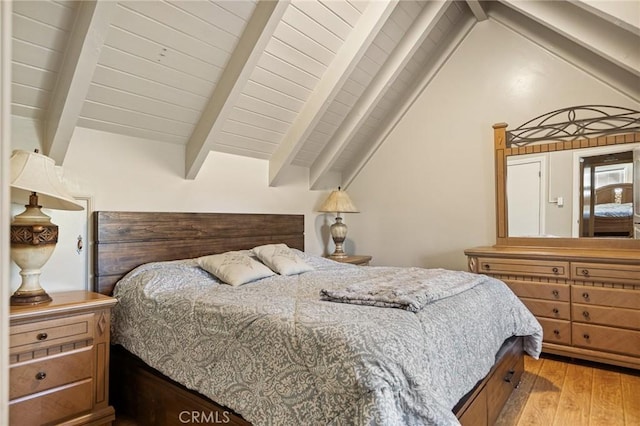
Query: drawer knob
x=509 y=376
x=585 y=314
x=42 y=336
x=41 y=375
x=556 y=311
x=555 y=270
x=585 y=272
x=586 y=336
x=556 y=332
x=555 y=293
x=585 y=295
x=486 y=266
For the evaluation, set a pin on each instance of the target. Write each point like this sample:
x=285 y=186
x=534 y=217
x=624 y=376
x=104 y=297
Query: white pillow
x=281 y=259
x=234 y=268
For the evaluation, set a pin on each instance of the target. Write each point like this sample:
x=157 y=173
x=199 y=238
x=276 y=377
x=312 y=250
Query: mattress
x=276 y=353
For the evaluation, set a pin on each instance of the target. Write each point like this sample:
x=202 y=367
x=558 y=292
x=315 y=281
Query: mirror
x=572 y=193
x=546 y=196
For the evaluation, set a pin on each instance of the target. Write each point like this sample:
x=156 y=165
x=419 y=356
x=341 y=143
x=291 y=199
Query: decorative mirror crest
x=580 y=122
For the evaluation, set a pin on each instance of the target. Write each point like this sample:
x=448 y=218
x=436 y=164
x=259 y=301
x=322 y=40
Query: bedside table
x=354 y=260
x=59 y=360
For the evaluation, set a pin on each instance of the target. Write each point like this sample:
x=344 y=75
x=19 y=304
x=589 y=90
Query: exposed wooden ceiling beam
x=422 y=26
x=332 y=81
x=83 y=51
x=441 y=57
x=477 y=9
x=252 y=43
x=609 y=41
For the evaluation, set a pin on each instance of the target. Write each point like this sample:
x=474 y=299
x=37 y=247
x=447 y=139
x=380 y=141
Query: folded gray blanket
x=405 y=288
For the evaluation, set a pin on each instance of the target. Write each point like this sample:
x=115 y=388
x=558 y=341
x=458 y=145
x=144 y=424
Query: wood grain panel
x=544 y=398
x=574 y=408
x=631 y=399
x=125 y=240
x=52 y=407
x=42 y=374
x=606 y=399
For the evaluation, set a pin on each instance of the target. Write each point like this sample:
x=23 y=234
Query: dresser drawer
x=606 y=315
x=609 y=339
x=52 y=406
x=606 y=296
x=603 y=272
x=547 y=291
x=556 y=331
x=46 y=373
x=534 y=268
x=548 y=309
x=35 y=335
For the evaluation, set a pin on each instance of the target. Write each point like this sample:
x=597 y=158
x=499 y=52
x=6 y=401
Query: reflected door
x=524 y=194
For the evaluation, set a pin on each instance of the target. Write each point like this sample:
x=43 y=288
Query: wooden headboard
x=606 y=194
x=124 y=240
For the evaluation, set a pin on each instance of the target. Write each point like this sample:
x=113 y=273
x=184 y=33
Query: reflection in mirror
x=607 y=195
x=547 y=192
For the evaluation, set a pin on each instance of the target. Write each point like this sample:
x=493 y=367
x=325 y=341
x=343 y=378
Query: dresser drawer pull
x=41 y=375
x=555 y=270
x=585 y=314
x=555 y=311
x=556 y=332
x=586 y=336
x=42 y=336
x=486 y=266
x=585 y=272
x=555 y=293
x=509 y=376
x=585 y=295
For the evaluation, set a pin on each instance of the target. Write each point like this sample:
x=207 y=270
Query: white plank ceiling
x=315 y=84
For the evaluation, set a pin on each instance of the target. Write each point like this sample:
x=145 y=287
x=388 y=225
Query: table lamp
x=35 y=183
x=338 y=202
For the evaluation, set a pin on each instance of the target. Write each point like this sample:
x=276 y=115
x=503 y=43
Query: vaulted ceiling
x=316 y=84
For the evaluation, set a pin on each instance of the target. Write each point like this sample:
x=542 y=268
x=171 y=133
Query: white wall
x=428 y=193
x=133 y=174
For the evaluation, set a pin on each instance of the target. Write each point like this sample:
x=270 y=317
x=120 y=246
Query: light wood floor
x=554 y=392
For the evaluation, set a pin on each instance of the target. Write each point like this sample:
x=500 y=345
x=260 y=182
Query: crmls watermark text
x=204 y=417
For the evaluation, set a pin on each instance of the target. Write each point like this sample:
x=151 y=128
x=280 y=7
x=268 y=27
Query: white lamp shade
x=33 y=172
x=338 y=202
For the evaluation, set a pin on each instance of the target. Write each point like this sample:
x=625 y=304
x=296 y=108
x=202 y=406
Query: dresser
x=587 y=301
x=59 y=361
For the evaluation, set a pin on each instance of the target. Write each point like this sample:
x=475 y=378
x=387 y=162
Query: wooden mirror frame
x=501 y=154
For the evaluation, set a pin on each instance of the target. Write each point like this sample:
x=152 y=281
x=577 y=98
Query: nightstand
x=59 y=360
x=354 y=260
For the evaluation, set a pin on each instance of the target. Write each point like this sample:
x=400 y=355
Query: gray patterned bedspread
x=278 y=355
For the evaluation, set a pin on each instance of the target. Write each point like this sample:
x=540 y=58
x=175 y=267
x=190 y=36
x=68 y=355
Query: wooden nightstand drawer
x=47 y=373
x=556 y=331
x=606 y=315
x=611 y=339
x=605 y=296
x=52 y=406
x=534 y=268
x=548 y=309
x=603 y=272
x=559 y=292
x=26 y=337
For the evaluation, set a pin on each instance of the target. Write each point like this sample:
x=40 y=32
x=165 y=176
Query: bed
x=613 y=210
x=321 y=368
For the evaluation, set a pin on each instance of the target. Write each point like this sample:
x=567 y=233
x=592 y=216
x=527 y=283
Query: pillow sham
x=281 y=259
x=234 y=268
